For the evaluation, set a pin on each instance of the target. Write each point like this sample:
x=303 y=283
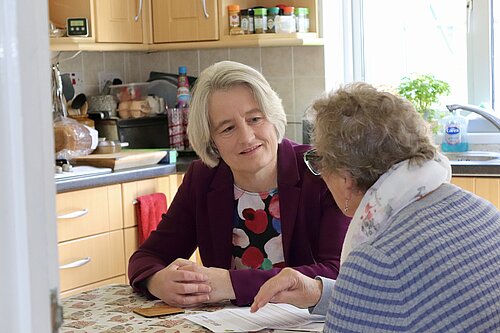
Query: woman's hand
x=219 y=281
x=289 y=286
x=180 y=287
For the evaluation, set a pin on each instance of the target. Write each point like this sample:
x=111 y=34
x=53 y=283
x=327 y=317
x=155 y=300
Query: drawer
x=91 y=259
x=88 y=212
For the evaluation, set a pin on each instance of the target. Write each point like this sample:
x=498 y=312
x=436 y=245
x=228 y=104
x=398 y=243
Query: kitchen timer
x=77 y=27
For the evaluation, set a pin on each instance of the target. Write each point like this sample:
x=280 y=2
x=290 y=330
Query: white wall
x=28 y=252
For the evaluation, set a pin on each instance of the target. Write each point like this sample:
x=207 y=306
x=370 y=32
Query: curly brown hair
x=365 y=131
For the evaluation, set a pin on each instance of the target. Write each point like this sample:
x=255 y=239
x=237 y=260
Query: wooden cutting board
x=121 y=160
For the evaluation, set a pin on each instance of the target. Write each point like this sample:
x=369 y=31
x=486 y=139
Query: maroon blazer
x=201 y=215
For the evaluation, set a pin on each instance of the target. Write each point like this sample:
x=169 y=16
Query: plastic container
x=260 y=20
x=130 y=92
x=272 y=13
x=183 y=93
x=285 y=23
x=301 y=19
x=455 y=134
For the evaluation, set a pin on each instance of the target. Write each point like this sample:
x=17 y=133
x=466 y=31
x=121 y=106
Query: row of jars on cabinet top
x=259 y=20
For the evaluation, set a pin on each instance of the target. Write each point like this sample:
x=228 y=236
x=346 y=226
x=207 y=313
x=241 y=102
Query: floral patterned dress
x=257 y=240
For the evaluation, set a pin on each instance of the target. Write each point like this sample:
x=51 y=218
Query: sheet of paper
x=273 y=316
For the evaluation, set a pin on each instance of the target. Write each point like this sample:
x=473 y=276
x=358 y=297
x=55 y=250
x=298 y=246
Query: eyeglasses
x=313 y=161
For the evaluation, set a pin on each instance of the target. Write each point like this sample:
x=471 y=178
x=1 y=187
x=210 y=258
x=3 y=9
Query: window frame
x=349 y=36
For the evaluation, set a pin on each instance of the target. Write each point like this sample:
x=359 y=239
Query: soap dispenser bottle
x=455 y=133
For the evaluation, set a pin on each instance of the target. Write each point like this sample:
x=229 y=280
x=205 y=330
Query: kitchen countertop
x=122 y=176
x=475 y=169
x=467 y=169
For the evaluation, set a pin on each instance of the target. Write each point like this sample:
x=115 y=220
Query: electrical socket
x=77 y=81
x=107 y=76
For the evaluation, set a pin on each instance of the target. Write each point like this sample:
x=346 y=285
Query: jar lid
x=260 y=11
x=233 y=7
x=303 y=11
x=273 y=10
x=244 y=12
x=288 y=10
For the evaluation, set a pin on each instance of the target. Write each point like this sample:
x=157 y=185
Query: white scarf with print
x=401 y=185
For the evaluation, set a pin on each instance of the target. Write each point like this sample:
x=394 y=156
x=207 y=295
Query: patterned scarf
x=401 y=185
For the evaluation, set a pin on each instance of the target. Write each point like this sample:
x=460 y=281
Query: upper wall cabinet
x=156 y=25
x=184 y=20
x=119 y=21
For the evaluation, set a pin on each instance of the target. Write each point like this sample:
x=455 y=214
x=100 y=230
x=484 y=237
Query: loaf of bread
x=72 y=139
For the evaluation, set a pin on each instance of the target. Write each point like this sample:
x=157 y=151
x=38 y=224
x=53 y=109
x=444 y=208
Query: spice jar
x=245 y=21
x=234 y=20
x=271 y=15
x=302 y=19
x=260 y=20
x=285 y=23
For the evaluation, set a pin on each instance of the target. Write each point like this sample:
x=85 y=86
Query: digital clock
x=77 y=27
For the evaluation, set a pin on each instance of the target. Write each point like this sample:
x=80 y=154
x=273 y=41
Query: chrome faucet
x=480 y=111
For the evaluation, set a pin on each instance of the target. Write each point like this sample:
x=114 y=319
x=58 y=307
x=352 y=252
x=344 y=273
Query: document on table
x=272 y=316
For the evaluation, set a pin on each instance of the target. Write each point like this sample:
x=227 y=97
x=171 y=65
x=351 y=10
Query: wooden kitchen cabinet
x=184 y=20
x=167 y=185
x=116 y=23
x=97 y=231
x=171 y=25
x=485 y=187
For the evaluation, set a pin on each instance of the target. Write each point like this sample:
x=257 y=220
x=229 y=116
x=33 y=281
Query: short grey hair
x=223 y=76
x=366 y=131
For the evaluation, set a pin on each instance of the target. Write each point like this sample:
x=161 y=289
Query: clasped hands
x=184 y=283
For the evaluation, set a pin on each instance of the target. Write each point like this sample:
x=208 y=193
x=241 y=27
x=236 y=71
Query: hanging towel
x=149 y=210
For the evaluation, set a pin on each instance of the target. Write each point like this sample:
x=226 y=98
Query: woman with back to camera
x=250 y=205
x=420 y=254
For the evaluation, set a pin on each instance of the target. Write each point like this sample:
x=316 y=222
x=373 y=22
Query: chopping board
x=121 y=160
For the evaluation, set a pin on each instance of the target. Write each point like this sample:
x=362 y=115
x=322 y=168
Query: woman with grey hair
x=250 y=205
x=420 y=254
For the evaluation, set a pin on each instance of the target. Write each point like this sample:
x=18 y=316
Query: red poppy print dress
x=257 y=241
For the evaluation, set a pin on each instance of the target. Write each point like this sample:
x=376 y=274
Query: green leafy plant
x=423 y=91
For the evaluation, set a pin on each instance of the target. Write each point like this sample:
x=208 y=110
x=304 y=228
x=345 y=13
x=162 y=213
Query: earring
x=346 y=206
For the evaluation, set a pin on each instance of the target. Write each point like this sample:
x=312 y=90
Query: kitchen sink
x=474 y=156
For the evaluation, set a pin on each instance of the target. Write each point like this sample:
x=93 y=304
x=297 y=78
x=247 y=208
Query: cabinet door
x=115 y=21
x=184 y=20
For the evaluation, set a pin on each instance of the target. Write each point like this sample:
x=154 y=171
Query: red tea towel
x=149 y=211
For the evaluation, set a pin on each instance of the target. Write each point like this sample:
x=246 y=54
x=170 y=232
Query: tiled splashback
x=296 y=73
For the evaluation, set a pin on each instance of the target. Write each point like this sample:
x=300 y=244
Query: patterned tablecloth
x=109 y=309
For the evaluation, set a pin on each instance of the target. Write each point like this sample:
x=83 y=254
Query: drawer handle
x=139 y=11
x=76 y=263
x=204 y=2
x=75 y=214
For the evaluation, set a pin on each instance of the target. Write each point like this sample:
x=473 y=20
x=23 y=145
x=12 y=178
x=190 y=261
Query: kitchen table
x=109 y=309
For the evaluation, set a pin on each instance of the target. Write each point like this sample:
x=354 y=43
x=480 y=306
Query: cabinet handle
x=139 y=11
x=74 y=215
x=76 y=263
x=204 y=2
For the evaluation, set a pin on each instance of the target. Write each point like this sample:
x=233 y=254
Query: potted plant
x=423 y=91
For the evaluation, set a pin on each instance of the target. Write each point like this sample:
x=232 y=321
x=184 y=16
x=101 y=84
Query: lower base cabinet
x=97 y=231
x=485 y=187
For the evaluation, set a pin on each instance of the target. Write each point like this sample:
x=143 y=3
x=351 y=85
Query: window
x=454 y=40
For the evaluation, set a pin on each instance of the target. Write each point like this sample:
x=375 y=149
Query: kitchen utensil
x=67 y=87
x=78 y=101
